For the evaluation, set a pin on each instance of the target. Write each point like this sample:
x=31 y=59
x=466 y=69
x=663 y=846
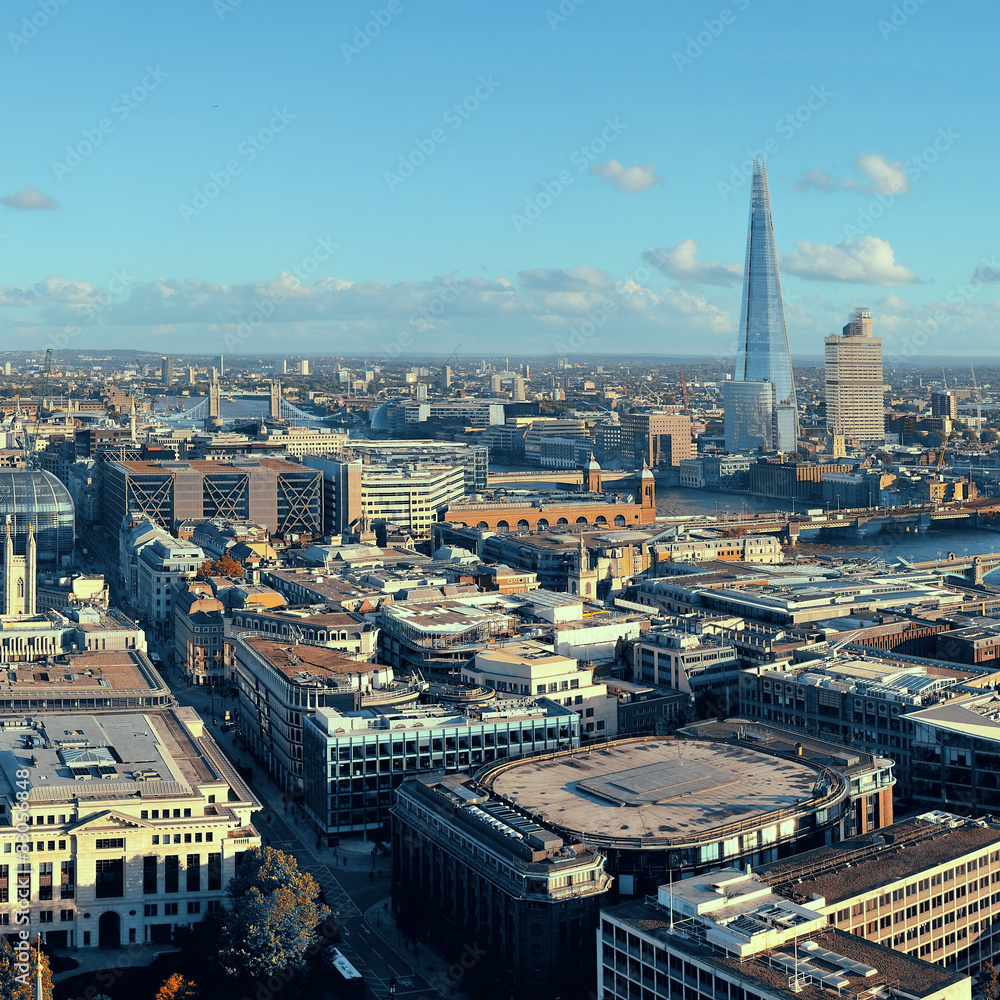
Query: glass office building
x=763 y=341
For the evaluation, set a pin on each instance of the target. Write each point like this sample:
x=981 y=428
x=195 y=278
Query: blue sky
x=546 y=178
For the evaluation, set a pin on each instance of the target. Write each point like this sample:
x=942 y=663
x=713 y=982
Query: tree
x=991 y=983
x=176 y=987
x=224 y=566
x=271 y=924
x=17 y=973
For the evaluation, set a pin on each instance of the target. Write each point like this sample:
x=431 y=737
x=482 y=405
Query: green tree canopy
x=271 y=923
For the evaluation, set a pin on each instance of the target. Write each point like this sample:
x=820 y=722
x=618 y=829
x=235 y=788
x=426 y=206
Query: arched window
x=581 y=520
x=523 y=525
x=601 y=519
x=619 y=520
x=542 y=524
x=562 y=520
x=483 y=526
x=20 y=586
x=502 y=526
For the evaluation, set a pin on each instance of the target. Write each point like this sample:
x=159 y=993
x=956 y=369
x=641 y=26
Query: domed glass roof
x=33 y=496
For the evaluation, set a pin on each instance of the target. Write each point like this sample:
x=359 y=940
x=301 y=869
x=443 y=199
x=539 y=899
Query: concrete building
x=281 y=684
x=944 y=403
x=354 y=760
x=480 y=873
x=439 y=638
x=473 y=458
x=723 y=797
x=135 y=821
x=855 y=406
x=729 y=936
x=200 y=634
x=697 y=664
x=925 y=887
x=885 y=706
x=529 y=669
x=163 y=564
x=660 y=438
x=285 y=497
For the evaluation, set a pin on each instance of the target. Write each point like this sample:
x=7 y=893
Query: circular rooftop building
x=33 y=496
x=654 y=806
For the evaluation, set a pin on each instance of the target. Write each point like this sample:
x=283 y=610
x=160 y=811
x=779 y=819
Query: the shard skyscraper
x=762 y=345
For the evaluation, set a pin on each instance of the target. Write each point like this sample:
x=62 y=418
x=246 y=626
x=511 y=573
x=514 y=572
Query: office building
x=473 y=458
x=135 y=821
x=749 y=416
x=729 y=936
x=285 y=497
x=910 y=711
x=855 y=408
x=762 y=341
x=660 y=438
x=480 y=873
x=728 y=795
x=926 y=886
x=354 y=760
x=200 y=634
x=164 y=565
x=944 y=403
x=529 y=669
x=167 y=371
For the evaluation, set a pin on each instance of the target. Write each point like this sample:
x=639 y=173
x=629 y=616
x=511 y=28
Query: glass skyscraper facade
x=762 y=345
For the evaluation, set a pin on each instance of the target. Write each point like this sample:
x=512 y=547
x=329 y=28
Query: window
x=171 y=873
x=194 y=907
x=67 y=880
x=65 y=915
x=110 y=878
x=149 y=910
x=149 y=874
x=170 y=909
x=45 y=880
x=194 y=873
x=4 y=883
x=110 y=844
x=214 y=872
x=45 y=917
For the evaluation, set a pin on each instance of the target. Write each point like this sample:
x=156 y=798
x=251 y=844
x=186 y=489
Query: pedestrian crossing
x=336 y=896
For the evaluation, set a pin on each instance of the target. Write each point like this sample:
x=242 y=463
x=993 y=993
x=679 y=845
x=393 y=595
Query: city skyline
x=222 y=187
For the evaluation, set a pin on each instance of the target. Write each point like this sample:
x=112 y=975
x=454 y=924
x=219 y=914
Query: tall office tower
x=422 y=391
x=222 y=365
x=304 y=366
x=519 y=388
x=446 y=377
x=855 y=407
x=762 y=349
x=284 y=367
x=167 y=370
x=944 y=403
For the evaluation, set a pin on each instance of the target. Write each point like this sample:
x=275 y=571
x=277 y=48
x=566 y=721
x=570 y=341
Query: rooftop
x=896 y=852
x=680 y=791
x=307 y=664
x=98 y=671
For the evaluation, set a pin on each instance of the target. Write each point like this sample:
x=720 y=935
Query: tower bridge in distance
x=210 y=407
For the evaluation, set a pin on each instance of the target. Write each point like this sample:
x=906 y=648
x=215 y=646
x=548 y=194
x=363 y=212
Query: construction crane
x=43 y=409
x=452 y=356
x=944 y=450
x=687 y=400
x=979 y=408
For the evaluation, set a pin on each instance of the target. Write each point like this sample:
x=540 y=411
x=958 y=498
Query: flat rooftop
x=679 y=790
x=185 y=465
x=892 y=967
x=307 y=664
x=894 y=853
x=141 y=755
x=98 y=671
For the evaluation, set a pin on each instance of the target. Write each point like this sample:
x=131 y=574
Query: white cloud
x=627 y=179
x=885 y=177
x=865 y=261
x=816 y=179
x=29 y=199
x=680 y=263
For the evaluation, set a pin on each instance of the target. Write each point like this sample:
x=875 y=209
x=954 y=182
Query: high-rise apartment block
x=944 y=403
x=762 y=341
x=854 y=399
